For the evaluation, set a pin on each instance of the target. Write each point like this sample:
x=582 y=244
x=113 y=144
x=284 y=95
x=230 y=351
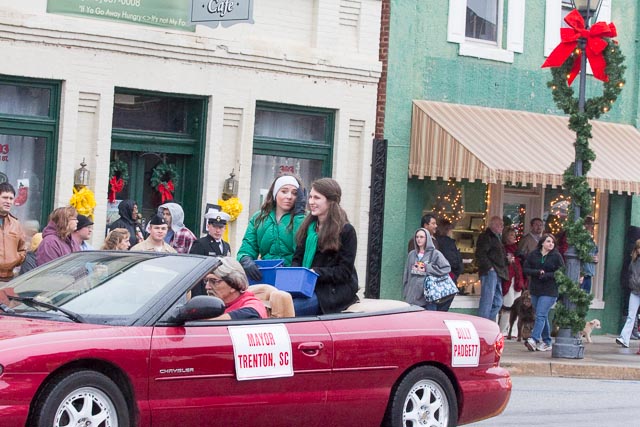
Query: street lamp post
x=585 y=8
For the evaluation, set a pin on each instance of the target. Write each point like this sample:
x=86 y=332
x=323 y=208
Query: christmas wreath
x=164 y=177
x=119 y=173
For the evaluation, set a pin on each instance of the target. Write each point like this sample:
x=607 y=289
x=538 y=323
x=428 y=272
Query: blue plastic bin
x=268 y=269
x=298 y=281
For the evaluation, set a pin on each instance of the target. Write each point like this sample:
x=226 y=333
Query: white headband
x=282 y=181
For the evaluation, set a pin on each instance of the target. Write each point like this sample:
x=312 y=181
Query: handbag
x=439 y=287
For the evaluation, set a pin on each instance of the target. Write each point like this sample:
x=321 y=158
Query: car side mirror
x=197 y=308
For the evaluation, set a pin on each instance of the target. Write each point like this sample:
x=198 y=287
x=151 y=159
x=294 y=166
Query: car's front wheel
x=81 y=398
x=425 y=397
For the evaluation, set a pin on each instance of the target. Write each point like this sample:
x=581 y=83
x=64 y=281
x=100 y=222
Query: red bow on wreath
x=166 y=191
x=594 y=47
x=116 y=185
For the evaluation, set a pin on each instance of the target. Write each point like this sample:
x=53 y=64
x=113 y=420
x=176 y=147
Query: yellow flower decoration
x=232 y=207
x=84 y=201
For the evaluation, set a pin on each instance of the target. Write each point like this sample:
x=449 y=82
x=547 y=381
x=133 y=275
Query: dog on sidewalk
x=522 y=311
x=588 y=328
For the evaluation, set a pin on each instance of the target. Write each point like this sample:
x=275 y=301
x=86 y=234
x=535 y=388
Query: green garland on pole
x=574 y=316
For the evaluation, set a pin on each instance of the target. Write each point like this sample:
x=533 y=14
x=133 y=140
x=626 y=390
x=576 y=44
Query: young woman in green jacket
x=271 y=231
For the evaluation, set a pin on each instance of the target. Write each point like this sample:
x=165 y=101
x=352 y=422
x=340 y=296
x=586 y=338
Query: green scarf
x=310 y=246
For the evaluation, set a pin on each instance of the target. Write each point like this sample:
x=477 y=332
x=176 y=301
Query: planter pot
x=567 y=346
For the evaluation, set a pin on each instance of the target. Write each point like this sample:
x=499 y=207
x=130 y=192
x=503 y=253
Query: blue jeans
x=306 y=306
x=490 y=295
x=443 y=306
x=542 y=304
x=586 y=284
x=627 y=329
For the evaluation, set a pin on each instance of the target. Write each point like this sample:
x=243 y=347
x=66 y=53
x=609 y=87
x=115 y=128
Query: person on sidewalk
x=529 y=241
x=492 y=267
x=447 y=245
x=541 y=266
x=634 y=296
x=56 y=236
x=429 y=222
x=212 y=244
x=178 y=236
x=13 y=249
x=155 y=242
x=589 y=268
x=83 y=233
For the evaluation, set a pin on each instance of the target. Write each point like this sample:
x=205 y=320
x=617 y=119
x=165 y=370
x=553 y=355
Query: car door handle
x=311 y=348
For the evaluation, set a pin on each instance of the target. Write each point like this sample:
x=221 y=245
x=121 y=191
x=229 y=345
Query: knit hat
x=83 y=222
x=282 y=181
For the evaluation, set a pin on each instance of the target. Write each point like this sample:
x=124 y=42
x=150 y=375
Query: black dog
x=522 y=310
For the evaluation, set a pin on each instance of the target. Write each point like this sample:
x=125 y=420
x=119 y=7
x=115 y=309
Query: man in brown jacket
x=13 y=249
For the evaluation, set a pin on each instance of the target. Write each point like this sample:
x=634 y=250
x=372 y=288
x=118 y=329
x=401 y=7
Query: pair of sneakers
x=531 y=344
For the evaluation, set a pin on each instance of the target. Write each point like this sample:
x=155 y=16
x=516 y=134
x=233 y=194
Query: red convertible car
x=112 y=339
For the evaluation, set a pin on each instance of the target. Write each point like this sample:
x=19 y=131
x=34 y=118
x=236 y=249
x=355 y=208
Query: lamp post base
x=567 y=346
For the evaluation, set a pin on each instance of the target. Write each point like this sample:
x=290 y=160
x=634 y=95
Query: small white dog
x=588 y=327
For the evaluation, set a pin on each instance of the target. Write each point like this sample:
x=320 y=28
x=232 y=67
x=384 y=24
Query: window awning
x=494 y=145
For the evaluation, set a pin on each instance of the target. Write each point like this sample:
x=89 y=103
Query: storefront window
x=285 y=125
x=152 y=113
x=289 y=139
x=22 y=161
x=22 y=100
x=28 y=134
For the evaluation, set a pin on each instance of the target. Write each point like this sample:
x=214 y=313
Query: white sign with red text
x=465 y=343
x=261 y=351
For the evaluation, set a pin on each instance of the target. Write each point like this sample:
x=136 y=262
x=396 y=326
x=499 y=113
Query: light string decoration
x=448 y=204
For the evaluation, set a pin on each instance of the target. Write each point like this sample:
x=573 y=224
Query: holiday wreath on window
x=164 y=178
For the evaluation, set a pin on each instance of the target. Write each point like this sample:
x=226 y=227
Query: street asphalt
x=603 y=359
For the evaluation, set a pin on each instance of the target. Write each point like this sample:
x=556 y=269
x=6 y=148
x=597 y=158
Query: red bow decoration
x=166 y=191
x=116 y=184
x=594 y=47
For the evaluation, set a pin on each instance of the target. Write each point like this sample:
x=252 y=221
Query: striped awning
x=454 y=141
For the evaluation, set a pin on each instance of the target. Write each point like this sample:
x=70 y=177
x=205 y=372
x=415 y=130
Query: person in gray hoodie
x=56 y=236
x=179 y=236
x=424 y=260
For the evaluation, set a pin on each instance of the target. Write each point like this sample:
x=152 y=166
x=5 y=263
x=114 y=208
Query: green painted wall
x=611 y=317
x=423 y=65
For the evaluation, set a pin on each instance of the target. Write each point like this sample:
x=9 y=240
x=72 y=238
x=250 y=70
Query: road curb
x=571 y=370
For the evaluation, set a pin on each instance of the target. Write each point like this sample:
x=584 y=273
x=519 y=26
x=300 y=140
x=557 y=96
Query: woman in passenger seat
x=327 y=244
x=229 y=283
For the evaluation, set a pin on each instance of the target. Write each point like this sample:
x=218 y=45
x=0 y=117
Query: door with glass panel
x=28 y=130
x=151 y=131
x=518 y=210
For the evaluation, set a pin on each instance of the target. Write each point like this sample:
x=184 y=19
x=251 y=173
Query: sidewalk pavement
x=603 y=359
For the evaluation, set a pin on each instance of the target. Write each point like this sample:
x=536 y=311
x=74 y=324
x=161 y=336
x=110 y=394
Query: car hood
x=12 y=328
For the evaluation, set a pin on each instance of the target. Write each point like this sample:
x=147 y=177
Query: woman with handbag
x=426 y=270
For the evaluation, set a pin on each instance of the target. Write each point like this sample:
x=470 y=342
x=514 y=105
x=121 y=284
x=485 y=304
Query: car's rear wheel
x=82 y=398
x=425 y=397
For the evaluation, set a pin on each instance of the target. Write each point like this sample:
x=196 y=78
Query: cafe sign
x=160 y=13
x=225 y=12
x=176 y=14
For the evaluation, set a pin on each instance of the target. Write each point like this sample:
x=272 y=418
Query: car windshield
x=98 y=284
